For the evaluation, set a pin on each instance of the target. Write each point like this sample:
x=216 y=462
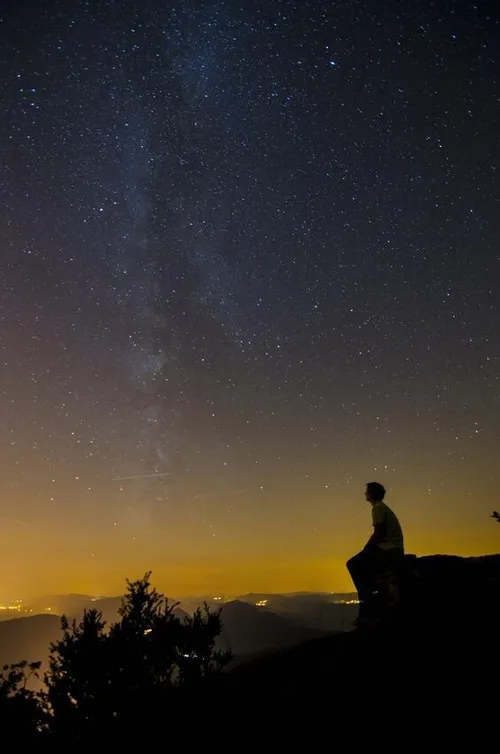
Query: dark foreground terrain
x=426 y=676
x=436 y=663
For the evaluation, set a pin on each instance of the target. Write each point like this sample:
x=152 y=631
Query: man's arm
x=377 y=536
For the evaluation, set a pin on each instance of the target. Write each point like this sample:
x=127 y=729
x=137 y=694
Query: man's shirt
x=386 y=519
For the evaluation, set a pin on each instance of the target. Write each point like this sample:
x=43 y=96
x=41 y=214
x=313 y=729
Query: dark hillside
x=438 y=656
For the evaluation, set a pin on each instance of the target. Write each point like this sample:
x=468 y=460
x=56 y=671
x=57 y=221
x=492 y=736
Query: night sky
x=249 y=261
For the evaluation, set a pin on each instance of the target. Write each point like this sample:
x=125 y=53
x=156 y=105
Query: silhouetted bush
x=22 y=711
x=113 y=682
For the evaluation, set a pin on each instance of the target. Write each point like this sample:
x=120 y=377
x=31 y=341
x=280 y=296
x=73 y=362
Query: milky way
x=249 y=261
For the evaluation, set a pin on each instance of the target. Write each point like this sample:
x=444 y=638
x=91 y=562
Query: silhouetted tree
x=22 y=713
x=496 y=516
x=101 y=680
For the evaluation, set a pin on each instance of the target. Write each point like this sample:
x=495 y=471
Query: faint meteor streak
x=139 y=476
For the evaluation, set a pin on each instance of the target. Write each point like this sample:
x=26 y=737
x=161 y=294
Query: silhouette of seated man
x=382 y=553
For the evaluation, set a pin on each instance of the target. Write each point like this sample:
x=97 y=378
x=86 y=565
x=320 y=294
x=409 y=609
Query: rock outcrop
x=436 y=661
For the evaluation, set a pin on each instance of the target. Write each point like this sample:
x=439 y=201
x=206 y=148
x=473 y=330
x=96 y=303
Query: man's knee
x=355 y=563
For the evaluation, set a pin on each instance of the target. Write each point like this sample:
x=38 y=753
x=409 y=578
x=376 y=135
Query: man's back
x=392 y=534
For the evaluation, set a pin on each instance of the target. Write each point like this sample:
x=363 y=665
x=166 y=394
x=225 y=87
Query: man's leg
x=359 y=570
x=363 y=568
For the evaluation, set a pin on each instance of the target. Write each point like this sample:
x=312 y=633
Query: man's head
x=375 y=492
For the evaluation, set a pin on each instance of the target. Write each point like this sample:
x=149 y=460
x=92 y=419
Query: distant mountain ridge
x=73 y=606
x=247 y=630
x=28 y=638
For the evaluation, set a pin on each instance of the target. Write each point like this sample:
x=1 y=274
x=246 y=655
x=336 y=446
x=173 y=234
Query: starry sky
x=249 y=261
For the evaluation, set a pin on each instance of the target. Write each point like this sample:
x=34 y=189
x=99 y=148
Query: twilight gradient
x=249 y=261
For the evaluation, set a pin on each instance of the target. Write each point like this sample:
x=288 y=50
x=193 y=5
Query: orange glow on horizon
x=292 y=542
x=223 y=575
